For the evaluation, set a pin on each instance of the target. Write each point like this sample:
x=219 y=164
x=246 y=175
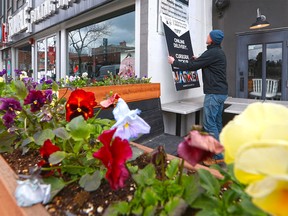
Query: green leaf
x=137 y=210
x=206 y=212
x=57 y=184
x=57 y=157
x=207 y=202
x=77 y=146
x=150 y=197
x=132 y=169
x=145 y=176
x=250 y=208
x=42 y=136
x=175 y=206
x=149 y=211
x=91 y=182
x=62 y=133
x=27 y=141
x=172 y=168
x=7 y=141
x=229 y=197
x=79 y=129
x=209 y=182
x=119 y=208
x=21 y=90
x=55 y=86
x=191 y=188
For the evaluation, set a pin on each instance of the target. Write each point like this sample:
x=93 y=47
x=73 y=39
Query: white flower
x=71 y=78
x=129 y=124
x=85 y=75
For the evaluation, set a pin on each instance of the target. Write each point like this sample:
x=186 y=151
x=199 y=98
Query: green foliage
x=200 y=192
x=76 y=81
x=156 y=196
x=223 y=197
x=76 y=139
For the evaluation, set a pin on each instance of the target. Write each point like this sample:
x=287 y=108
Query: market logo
x=23 y=20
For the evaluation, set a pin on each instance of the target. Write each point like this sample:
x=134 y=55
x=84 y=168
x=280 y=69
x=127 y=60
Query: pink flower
x=109 y=101
x=114 y=154
x=197 y=147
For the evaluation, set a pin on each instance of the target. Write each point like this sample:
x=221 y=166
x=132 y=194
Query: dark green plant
x=178 y=191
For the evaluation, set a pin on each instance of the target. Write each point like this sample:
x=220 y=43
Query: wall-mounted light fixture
x=221 y=5
x=261 y=21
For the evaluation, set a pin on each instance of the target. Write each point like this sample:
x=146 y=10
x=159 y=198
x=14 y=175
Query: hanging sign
x=174 y=15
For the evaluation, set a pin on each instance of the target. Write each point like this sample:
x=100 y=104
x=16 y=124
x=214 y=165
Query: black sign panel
x=180 y=48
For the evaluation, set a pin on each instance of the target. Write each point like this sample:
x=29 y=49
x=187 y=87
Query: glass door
x=46 y=58
x=262 y=66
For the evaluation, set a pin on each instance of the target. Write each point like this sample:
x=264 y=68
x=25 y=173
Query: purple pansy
x=18 y=72
x=10 y=105
x=8 y=119
x=3 y=72
x=42 y=80
x=49 y=81
x=36 y=99
x=49 y=95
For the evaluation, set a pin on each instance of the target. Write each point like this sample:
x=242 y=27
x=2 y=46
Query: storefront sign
x=24 y=19
x=174 y=15
x=19 y=22
x=4 y=33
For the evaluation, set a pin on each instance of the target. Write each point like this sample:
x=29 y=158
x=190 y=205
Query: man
x=213 y=64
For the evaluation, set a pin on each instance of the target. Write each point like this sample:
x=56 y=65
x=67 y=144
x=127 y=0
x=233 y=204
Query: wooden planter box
x=8 y=204
x=8 y=185
x=129 y=92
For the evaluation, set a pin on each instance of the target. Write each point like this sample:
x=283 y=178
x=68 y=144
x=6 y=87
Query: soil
x=73 y=200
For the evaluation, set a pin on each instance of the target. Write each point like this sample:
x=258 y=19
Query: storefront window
x=46 y=57
x=6 y=58
x=101 y=44
x=24 y=60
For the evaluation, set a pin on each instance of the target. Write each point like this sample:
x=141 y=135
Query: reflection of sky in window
x=122 y=29
x=274 y=51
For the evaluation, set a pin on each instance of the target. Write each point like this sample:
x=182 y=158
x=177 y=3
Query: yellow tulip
x=271 y=194
x=258 y=121
x=259 y=159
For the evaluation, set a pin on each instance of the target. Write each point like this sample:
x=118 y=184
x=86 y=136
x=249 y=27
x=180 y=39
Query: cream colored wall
x=200 y=22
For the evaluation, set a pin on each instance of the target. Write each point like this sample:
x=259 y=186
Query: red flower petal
x=114 y=157
x=47 y=149
x=82 y=103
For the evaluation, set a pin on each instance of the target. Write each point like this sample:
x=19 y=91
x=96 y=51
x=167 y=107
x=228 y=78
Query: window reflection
x=254 y=64
x=101 y=44
x=274 y=65
x=24 y=60
x=40 y=59
x=46 y=58
x=268 y=85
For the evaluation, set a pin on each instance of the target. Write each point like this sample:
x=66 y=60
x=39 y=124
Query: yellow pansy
x=258 y=121
x=271 y=194
x=259 y=159
x=1 y=79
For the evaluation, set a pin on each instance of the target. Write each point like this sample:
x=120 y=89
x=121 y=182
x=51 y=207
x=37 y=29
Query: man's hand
x=171 y=59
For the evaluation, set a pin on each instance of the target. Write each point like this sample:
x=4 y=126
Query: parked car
x=105 y=70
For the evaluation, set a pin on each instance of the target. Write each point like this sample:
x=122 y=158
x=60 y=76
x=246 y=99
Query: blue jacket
x=213 y=64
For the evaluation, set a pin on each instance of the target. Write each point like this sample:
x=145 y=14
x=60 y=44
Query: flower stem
x=181 y=172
